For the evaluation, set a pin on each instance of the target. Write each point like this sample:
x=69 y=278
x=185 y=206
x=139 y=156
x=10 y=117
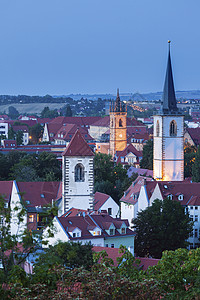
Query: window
x=191 y=207
x=173 y=128
x=77 y=234
x=79 y=173
x=191 y=217
x=112 y=246
x=120 y=123
x=195 y=233
x=123 y=230
x=157 y=128
x=180 y=197
x=31 y=218
x=98 y=232
x=196 y=207
x=110 y=211
x=74 y=234
x=111 y=231
x=106 y=245
x=196 y=218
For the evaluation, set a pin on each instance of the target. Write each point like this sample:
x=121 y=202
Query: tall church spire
x=169 y=98
x=117 y=102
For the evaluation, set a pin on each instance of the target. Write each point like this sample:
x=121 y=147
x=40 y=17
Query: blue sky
x=95 y=46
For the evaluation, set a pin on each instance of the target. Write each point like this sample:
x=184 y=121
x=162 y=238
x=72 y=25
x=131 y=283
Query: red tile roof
x=113 y=253
x=20 y=127
x=103 y=122
x=129 y=149
x=81 y=121
x=189 y=190
x=78 y=146
x=99 y=200
x=6 y=189
x=132 y=193
x=195 y=134
x=38 y=193
x=67 y=131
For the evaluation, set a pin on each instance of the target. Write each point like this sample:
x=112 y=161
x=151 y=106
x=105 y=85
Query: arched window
x=79 y=173
x=173 y=128
x=120 y=123
x=157 y=128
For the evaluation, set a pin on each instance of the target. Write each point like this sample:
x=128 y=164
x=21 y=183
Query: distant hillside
x=194 y=94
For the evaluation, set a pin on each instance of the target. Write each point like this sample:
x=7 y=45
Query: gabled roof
x=139 y=171
x=90 y=222
x=129 y=149
x=38 y=193
x=103 y=122
x=189 y=190
x=6 y=189
x=99 y=200
x=20 y=127
x=67 y=131
x=194 y=134
x=78 y=146
x=81 y=121
x=114 y=253
x=132 y=193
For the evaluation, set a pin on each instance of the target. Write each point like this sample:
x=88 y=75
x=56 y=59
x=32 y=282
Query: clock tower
x=118 y=126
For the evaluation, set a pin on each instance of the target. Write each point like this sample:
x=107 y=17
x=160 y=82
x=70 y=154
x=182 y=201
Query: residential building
x=99 y=230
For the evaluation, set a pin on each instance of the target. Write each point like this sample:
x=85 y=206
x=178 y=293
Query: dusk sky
x=59 y=47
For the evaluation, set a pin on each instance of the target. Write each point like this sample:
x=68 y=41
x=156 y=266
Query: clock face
x=120 y=135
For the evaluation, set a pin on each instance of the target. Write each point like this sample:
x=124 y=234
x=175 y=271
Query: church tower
x=118 y=116
x=77 y=174
x=168 y=153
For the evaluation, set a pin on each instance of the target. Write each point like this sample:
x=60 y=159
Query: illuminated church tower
x=118 y=115
x=168 y=154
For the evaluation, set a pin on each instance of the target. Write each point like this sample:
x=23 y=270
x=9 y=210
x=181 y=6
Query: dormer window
x=180 y=197
x=123 y=230
x=111 y=231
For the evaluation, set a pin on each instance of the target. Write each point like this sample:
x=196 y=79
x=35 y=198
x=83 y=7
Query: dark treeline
x=7 y=99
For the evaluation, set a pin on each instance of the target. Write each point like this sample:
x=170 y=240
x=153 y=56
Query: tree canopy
x=196 y=167
x=110 y=178
x=147 y=159
x=162 y=226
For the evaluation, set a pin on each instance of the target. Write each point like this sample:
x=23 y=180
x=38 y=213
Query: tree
x=11 y=133
x=178 y=273
x=47 y=113
x=36 y=132
x=13 y=112
x=16 y=244
x=68 y=112
x=110 y=178
x=162 y=226
x=147 y=159
x=189 y=158
x=19 y=137
x=196 y=167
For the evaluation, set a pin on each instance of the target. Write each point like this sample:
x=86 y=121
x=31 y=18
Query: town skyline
x=93 y=48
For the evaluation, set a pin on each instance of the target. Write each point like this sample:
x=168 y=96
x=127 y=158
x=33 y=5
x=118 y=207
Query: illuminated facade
x=168 y=156
x=118 y=126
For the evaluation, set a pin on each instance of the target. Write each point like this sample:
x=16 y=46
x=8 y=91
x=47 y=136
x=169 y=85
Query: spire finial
x=169 y=42
x=118 y=92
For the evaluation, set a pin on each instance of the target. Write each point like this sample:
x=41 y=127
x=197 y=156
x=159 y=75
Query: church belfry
x=168 y=153
x=118 y=127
